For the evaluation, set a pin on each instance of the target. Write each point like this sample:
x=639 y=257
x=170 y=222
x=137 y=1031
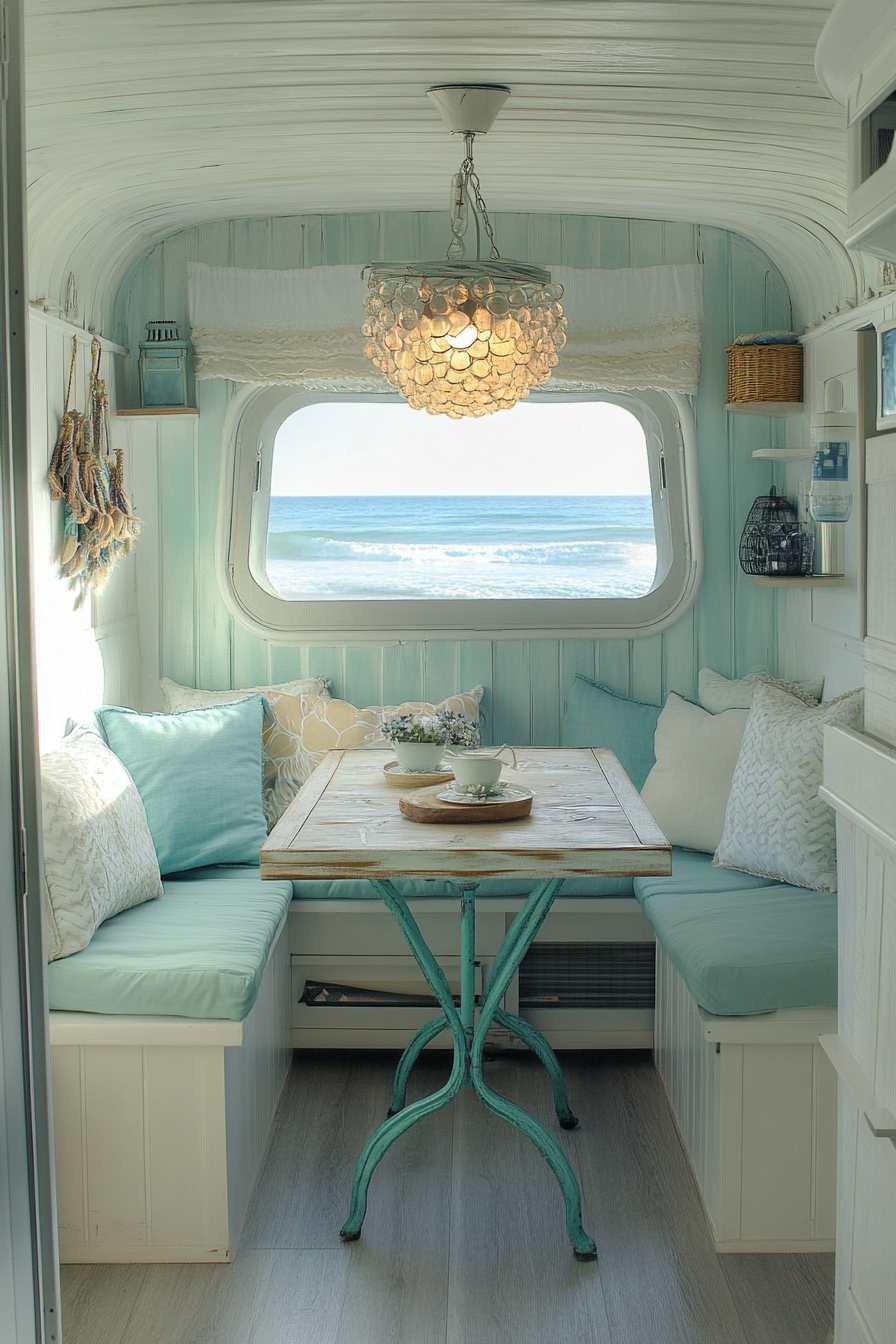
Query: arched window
x=355 y=517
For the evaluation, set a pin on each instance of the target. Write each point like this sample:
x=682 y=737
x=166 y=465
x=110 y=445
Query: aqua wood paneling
x=732 y=624
x=546 y=692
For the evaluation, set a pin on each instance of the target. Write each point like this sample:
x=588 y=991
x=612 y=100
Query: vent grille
x=588 y=975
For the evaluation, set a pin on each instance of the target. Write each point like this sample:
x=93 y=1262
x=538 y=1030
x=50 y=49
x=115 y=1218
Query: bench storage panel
x=161 y=1125
x=357 y=942
x=755 y=1102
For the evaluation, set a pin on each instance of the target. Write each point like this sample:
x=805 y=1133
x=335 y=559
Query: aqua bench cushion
x=743 y=946
x=692 y=871
x=198 y=950
x=359 y=889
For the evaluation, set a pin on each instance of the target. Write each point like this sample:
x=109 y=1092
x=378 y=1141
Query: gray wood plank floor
x=464 y=1241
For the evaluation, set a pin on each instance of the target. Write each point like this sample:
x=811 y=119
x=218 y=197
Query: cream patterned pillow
x=335 y=724
x=178 y=698
x=688 y=787
x=775 y=823
x=716 y=693
x=99 y=857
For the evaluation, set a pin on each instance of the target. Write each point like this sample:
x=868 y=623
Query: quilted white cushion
x=717 y=693
x=687 y=789
x=99 y=857
x=775 y=823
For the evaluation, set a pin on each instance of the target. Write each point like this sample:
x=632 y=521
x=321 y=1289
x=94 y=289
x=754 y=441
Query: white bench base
x=161 y=1125
x=755 y=1102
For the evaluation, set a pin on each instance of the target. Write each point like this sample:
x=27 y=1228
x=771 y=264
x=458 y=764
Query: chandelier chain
x=466 y=186
x=479 y=205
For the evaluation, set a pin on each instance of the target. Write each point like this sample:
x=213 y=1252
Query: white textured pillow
x=99 y=857
x=716 y=693
x=688 y=788
x=178 y=698
x=775 y=823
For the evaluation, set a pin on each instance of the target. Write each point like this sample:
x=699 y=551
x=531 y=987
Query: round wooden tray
x=426 y=805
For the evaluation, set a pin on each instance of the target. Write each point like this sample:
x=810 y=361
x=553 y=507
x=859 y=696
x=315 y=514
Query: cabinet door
x=866 y=1285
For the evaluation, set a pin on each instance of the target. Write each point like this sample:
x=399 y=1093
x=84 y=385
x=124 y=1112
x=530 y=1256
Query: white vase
x=419 y=757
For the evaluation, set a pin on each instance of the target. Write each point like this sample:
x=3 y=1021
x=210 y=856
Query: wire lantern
x=774 y=541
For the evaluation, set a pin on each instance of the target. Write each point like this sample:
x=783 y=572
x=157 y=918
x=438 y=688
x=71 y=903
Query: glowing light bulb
x=464 y=339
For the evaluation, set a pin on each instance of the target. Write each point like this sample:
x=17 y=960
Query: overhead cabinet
x=871 y=115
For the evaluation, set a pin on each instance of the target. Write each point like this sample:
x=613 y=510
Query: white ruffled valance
x=281 y=327
x=631 y=329
x=628 y=329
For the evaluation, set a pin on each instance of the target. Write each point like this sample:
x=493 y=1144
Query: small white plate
x=397 y=778
x=507 y=793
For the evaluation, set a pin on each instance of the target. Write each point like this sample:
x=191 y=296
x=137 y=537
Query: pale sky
x=547 y=448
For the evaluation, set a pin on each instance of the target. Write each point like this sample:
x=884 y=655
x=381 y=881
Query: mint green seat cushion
x=751 y=951
x=692 y=872
x=596 y=717
x=199 y=775
x=359 y=889
x=199 y=950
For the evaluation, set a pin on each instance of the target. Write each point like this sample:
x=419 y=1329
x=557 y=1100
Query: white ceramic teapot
x=477 y=771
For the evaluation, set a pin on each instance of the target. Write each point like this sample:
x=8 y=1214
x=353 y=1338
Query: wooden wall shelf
x=784 y=454
x=801 y=580
x=159 y=410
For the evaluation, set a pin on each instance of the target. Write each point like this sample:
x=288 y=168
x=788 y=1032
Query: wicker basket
x=765 y=373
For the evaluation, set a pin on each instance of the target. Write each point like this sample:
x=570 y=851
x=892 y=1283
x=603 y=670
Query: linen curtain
x=628 y=329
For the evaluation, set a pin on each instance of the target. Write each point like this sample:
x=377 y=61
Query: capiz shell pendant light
x=459 y=337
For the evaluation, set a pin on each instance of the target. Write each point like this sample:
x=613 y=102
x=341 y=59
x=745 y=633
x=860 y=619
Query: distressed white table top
x=586 y=817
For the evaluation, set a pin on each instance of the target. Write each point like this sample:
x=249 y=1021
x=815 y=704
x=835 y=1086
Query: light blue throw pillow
x=199 y=774
x=596 y=717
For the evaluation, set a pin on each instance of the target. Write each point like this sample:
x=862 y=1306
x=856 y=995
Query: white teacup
x=477 y=771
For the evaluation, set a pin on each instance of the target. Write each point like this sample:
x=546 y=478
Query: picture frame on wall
x=886 y=376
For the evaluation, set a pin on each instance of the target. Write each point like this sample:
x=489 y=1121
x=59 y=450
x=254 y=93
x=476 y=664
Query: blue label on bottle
x=831 y=462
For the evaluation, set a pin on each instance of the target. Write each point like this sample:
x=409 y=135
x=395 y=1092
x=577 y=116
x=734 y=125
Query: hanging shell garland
x=100 y=523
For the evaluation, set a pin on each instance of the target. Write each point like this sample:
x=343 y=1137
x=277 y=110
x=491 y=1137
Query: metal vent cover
x=588 y=975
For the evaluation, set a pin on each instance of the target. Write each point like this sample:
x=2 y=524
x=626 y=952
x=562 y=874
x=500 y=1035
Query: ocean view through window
x=374 y=501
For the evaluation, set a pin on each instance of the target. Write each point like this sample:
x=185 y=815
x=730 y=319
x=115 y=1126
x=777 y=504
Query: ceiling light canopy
x=459 y=337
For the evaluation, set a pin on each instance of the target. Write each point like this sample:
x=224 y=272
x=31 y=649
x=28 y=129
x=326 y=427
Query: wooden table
x=587 y=818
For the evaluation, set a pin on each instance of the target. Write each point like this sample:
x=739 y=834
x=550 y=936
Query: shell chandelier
x=460 y=337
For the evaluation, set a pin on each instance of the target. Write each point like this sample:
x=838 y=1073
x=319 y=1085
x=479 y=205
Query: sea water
x=461 y=546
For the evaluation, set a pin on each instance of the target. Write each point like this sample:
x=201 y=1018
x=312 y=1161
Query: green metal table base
x=469 y=1041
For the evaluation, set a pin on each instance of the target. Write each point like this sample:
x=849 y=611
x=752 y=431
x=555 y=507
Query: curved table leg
x=381 y=1141
x=583 y=1246
x=519 y=939
x=468 y=1047
x=540 y=1047
x=418 y=1042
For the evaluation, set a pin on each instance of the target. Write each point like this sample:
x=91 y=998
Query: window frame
x=256 y=416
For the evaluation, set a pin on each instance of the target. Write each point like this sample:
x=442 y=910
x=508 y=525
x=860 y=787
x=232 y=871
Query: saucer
x=397 y=778
x=504 y=793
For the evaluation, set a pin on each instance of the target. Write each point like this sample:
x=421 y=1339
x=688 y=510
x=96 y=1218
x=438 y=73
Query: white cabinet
x=854 y=61
x=860 y=782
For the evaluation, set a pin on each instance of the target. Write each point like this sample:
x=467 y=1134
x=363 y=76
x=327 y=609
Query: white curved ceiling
x=146 y=118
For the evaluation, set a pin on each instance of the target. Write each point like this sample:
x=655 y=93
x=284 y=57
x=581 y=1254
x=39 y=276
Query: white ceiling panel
x=146 y=118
